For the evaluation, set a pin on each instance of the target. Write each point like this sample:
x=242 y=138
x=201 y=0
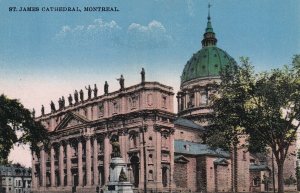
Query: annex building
x=15 y=179
x=164 y=150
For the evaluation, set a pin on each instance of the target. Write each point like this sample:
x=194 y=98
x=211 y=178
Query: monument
x=118 y=181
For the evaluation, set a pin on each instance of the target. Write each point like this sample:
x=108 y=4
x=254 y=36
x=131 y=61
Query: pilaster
x=61 y=164
x=172 y=183
x=106 y=159
x=52 y=166
x=95 y=161
x=69 y=164
x=142 y=161
x=79 y=161
x=88 y=161
x=158 y=160
x=43 y=166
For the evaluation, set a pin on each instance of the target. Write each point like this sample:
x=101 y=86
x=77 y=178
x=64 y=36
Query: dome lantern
x=209 y=38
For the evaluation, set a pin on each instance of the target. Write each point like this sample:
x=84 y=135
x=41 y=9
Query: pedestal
x=115 y=185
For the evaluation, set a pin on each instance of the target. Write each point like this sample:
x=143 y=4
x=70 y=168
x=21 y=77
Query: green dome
x=207 y=62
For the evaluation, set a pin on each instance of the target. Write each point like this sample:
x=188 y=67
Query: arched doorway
x=135 y=163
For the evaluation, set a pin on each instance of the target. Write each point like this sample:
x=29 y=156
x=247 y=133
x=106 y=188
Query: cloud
x=97 y=26
x=191 y=7
x=153 y=26
x=98 y=30
x=153 y=35
x=109 y=33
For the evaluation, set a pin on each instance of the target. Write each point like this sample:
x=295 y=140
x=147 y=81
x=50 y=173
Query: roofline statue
x=106 y=88
x=89 y=91
x=95 y=91
x=76 y=96
x=121 y=82
x=143 y=75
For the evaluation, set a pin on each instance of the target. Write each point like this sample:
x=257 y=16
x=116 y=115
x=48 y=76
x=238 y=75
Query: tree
x=14 y=117
x=266 y=106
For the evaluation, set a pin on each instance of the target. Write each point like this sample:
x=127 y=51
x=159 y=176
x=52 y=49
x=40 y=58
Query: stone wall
x=182 y=133
x=223 y=178
x=192 y=177
x=210 y=174
x=201 y=174
x=180 y=175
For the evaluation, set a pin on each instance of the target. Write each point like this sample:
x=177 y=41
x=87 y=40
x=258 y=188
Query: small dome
x=207 y=62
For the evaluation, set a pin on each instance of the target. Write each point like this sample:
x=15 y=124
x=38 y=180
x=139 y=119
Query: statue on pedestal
x=89 y=91
x=59 y=103
x=52 y=105
x=81 y=95
x=121 y=82
x=70 y=99
x=118 y=180
x=43 y=110
x=63 y=102
x=95 y=91
x=143 y=75
x=76 y=96
x=106 y=88
x=116 y=152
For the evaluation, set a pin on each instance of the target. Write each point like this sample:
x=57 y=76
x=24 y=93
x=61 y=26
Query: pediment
x=181 y=159
x=221 y=161
x=71 y=120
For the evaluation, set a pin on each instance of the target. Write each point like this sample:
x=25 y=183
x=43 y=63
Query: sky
x=46 y=55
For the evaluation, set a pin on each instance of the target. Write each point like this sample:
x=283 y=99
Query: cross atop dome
x=208 y=17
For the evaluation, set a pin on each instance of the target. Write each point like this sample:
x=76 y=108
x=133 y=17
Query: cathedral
x=164 y=151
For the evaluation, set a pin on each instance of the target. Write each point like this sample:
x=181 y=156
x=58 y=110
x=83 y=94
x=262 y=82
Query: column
x=52 y=166
x=88 y=161
x=106 y=159
x=141 y=176
x=178 y=103
x=61 y=164
x=158 y=160
x=43 y=167
x=95 y=161
x=197 y=97
x=34 y=180
x=185 y=100
x=69 y=165
x=79 y=161
x=171 y=137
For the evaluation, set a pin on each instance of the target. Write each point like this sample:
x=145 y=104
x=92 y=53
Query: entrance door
x=165 y=176
x=135 y=162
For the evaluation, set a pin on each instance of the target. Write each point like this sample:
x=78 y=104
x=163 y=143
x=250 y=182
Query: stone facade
x=139 y=117
x=164 y=151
